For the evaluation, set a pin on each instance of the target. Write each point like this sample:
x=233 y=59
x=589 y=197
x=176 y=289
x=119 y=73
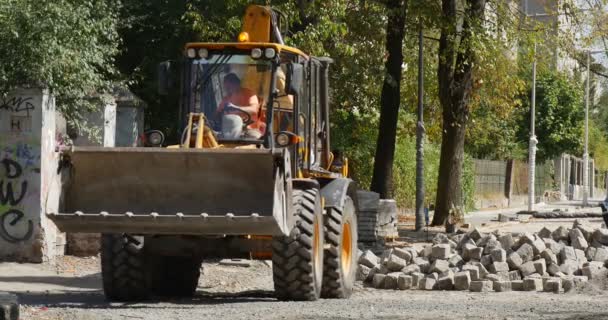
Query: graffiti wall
x=27 y=131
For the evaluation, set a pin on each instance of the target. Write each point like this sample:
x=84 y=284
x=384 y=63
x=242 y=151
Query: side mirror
x=294 y=78
x=164 y=78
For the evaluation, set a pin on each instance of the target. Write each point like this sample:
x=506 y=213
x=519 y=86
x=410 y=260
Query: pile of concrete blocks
x=376 y=219
x=552 y=261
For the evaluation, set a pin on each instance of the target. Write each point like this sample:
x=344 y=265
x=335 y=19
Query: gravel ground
x=227 y=292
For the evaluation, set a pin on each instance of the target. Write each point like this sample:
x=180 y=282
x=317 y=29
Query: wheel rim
x=347 y=248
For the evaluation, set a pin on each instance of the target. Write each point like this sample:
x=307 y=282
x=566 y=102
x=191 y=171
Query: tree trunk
x=455 y=76
x=382 y=179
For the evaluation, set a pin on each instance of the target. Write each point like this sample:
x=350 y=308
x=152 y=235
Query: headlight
x=155 y=138
x=256 y=53
x=191 y=53
x=203 y=53
x=283 y=139
x=269 y=53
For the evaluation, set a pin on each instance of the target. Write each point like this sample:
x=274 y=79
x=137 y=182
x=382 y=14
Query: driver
x=239 y=105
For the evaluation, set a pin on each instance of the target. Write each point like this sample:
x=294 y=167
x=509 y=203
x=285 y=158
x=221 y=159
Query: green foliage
x=559 y=116
x=65 y=45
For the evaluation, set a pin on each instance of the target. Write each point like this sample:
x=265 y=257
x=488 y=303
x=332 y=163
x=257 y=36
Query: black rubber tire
x=125 y=273
x=297 y=272
x=176 y=276
x=338 y=282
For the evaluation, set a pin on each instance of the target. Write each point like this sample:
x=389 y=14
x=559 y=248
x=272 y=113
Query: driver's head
x=232 y=83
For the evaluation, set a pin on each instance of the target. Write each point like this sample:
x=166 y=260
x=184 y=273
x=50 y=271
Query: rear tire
x=124 y=269
x=297 y=259
x=176 y=276
x=340 y=265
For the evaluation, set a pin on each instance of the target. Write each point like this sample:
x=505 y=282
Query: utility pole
x=533 y=140
x=420 y=219
x=586 y=152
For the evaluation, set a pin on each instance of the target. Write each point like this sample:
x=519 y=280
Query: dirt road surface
x=71 y=290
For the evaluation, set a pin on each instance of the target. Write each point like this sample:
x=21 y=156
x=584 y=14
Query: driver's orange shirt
x=243 y=98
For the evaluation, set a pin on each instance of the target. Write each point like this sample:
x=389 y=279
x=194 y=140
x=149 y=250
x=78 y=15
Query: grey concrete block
x=428 y=283
x=526 y=252
x=527 y=269
x=441 y=251
x=567 y=253
x=446 y=282
x=540 y=266
x=517 y=285
x=568 y=284
x=483 y=272
x=475 y=234
x=601 y=236
x=369 y=259
x=472 y=270
x=404 y=282
x=492 y=245
x=481 y=286
x=544 y=233
x=493 y=277
x=416 y=279
x=554 y=246
x=578 y=239
x=502 y=286
x=456 y=260
x=362 y=272
x=496 y=267
x=514 y=275
x=514 y=260
x=553 y=269
x=411 y=269
x=499 y=255
x=561 y=233
x=506 y=241
x=471 y=252
x=601 y=255
x=403 y=254
x=378 y=269
x=549 y=256
x=569 y=267
x=394 y=263
x=391 y=280
x=440 y=266
x=486 y=260
x=423 y=263
x=9 y=306
x=533 y=284
x=553 y=285
x=538 y=246
x=594 y=270
x=378 y=281
x=462 y=280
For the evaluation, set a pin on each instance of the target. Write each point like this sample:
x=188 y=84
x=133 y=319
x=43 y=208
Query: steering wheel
x=246 y=116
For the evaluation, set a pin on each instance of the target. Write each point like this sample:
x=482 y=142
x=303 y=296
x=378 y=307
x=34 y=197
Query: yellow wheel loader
x=253 y=177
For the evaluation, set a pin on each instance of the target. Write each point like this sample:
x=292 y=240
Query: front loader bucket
x=171 y=191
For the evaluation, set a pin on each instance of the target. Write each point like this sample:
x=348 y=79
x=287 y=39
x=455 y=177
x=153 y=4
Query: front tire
x=297 y=259
x=340 y=264
x=125 y=273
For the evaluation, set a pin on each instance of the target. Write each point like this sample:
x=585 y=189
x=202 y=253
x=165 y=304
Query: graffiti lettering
x=17 y=104
x=13 y=224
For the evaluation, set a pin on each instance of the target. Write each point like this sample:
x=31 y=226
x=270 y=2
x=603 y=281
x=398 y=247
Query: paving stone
x=456 y=260
x=514 y=275
x=493 y=277
x=544 y=233
x=362 y=272
x=561 y=233
x=404 y=282
x=499 y=255
x=553 y=245
x=475 y=234
x=472 y=253
x=426 y=251
x=506 y=241
x=601 y=236
x=533 y=284
x=549 y=256
x=441 y=251
x=9 y=306
x=601 y=255
x=481 y=286
x=462 y=280
x=433 y=275
x=586 y=229
x=416 y=279
x=378 y=281
x=540 y=266
x=391 y=280
x=567 y=253
x=491 y=245
x=473 y=271
x=594 y=270
x=578 y=280
x=590 y=253
x=496 y=267
x=440 y=266
x=486 y=260
x=439 y=238
x=514 y=260
x=568 y=284
x=527 y=269
x=446 y=283
x=538 y=246
x=394 y=263
x=580 y=256
x=553 y=269
x=526 y=238
x=428 y=283
x=464 y=242
x=411 y=269
x=369 y=259
x=578 y=239
x=483 y=272
x=502 y=286
x=423 y=263
x=526 y=252
x=553 y=285
x=403 y=254
x=517 y=285
x=569 y=267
